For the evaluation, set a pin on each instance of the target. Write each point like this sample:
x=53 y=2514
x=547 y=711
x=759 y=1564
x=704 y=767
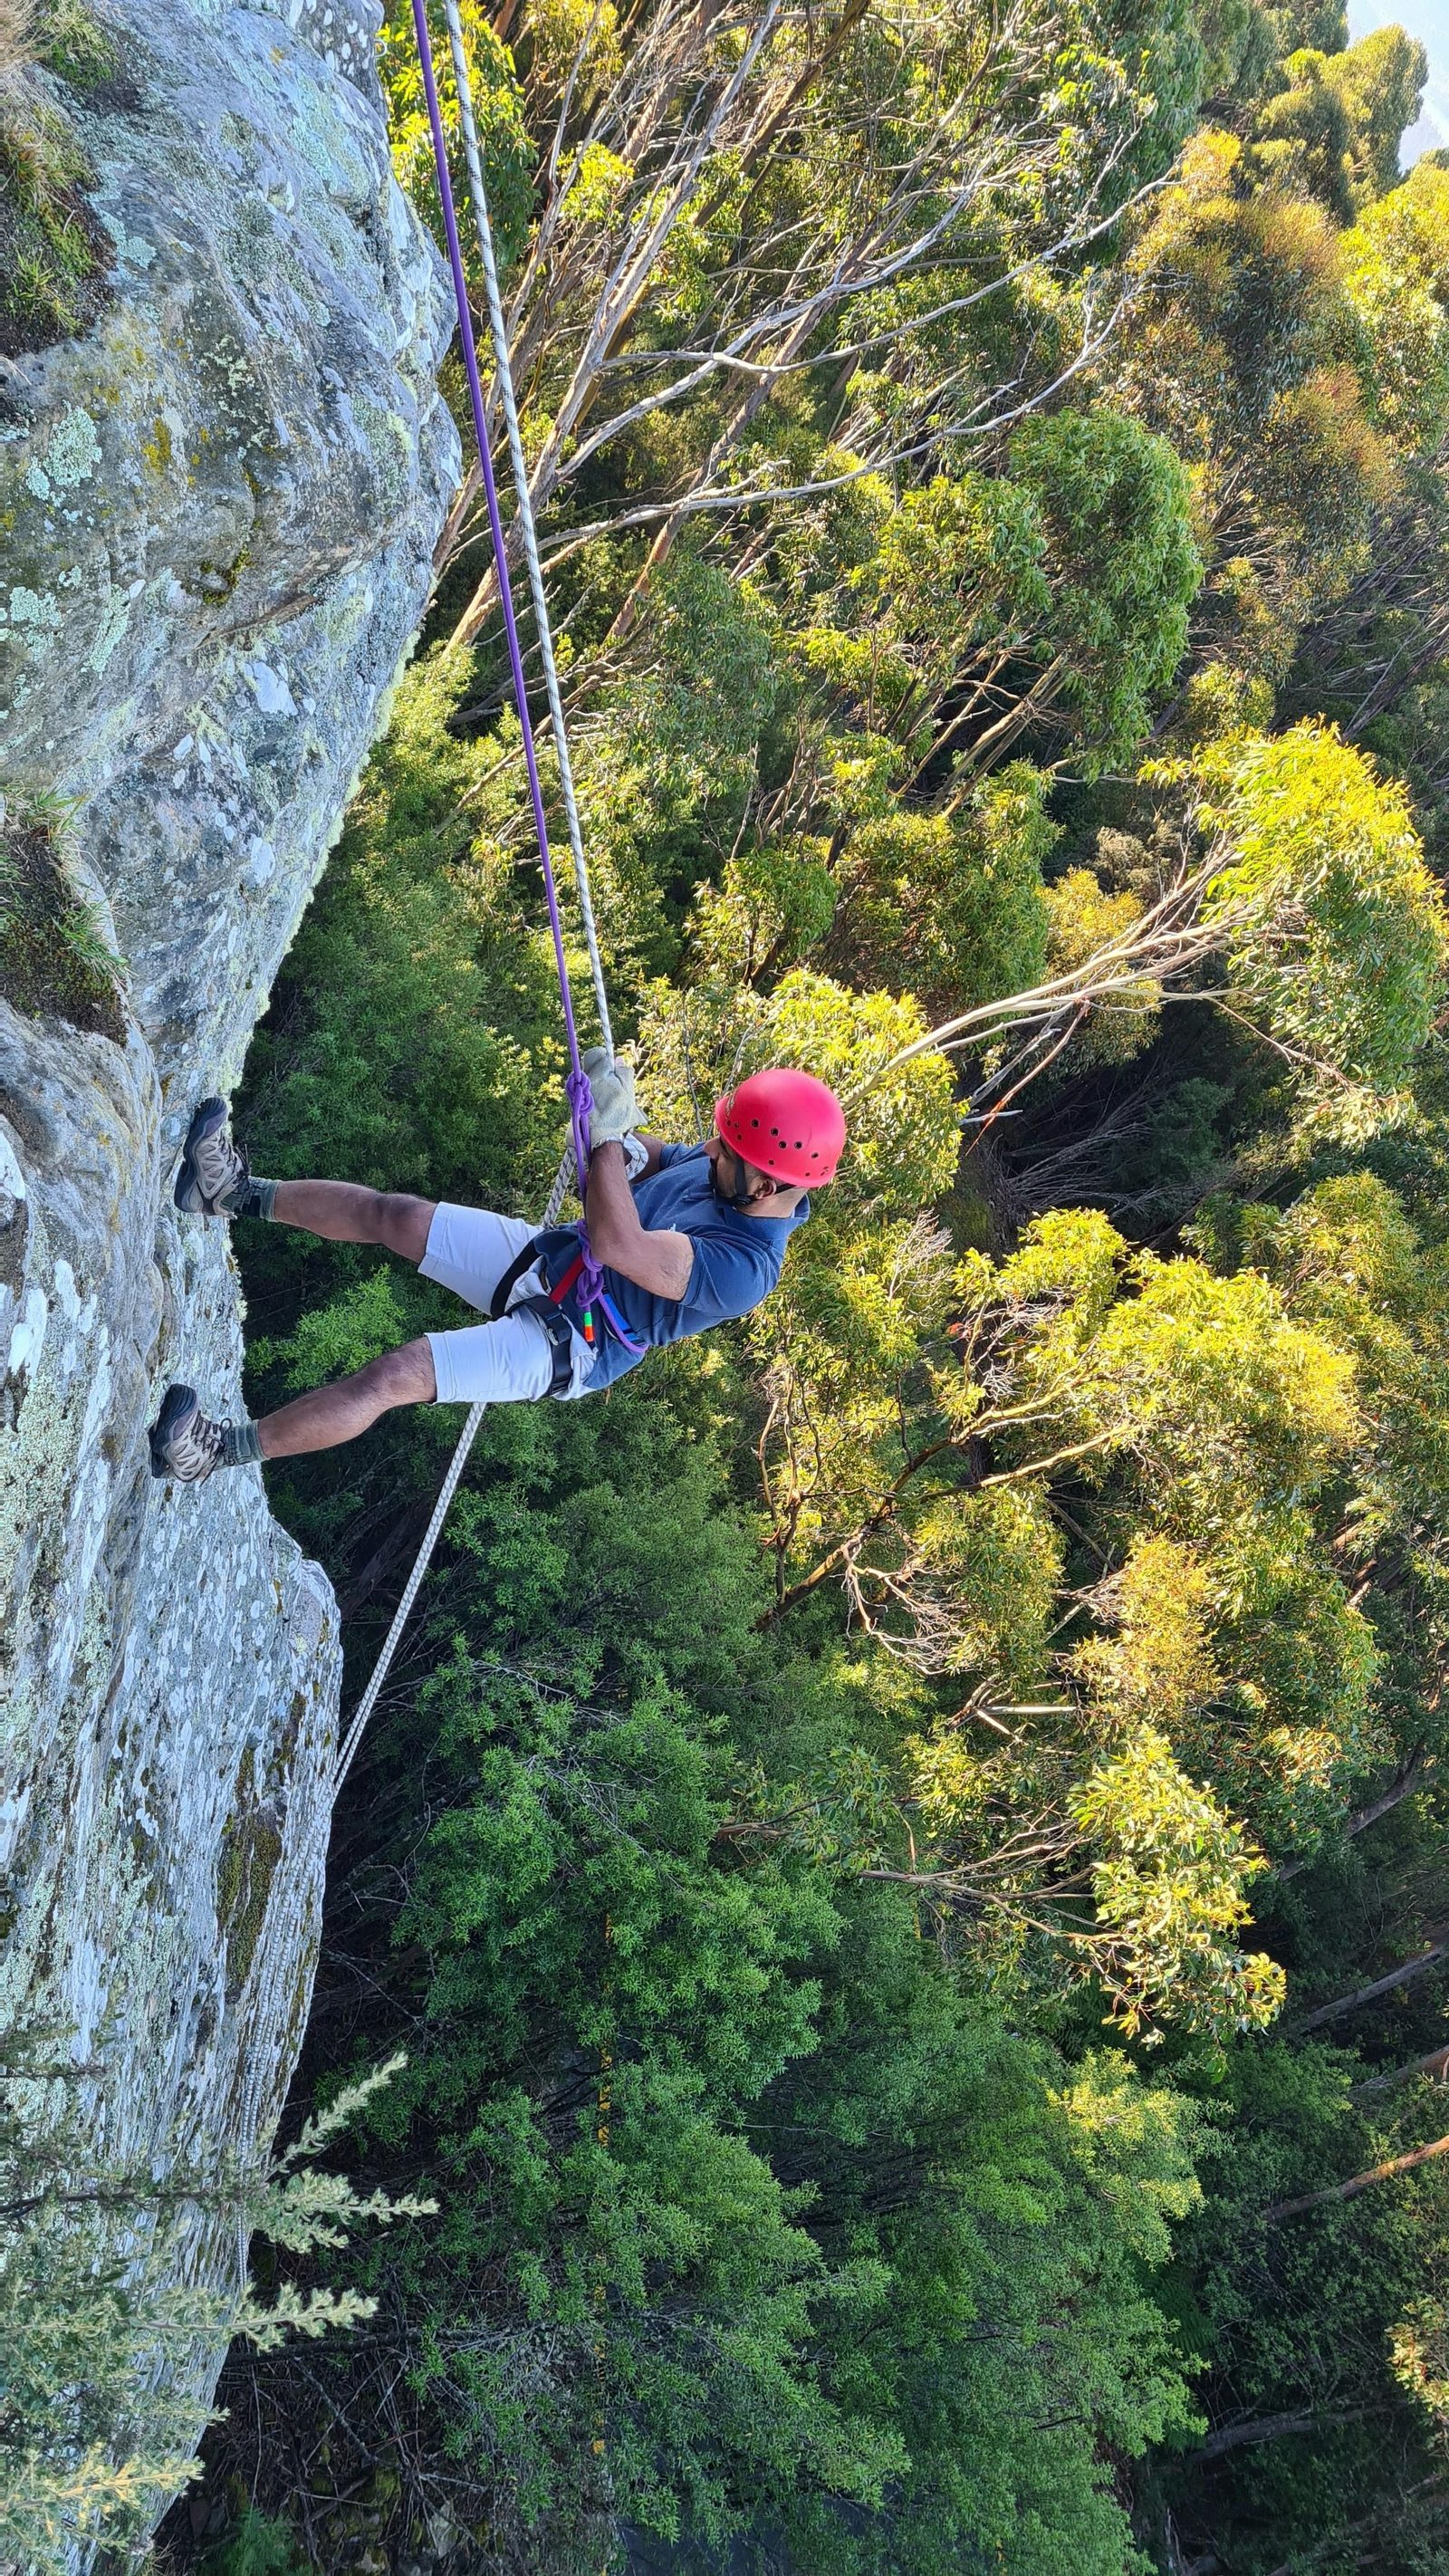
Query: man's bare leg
x=332 y=1414
x=341 y=1212
x=214 y=1180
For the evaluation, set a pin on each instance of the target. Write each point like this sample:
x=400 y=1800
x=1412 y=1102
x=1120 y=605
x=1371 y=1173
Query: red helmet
x=784 y=1123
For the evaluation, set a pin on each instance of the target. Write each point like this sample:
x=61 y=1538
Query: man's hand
x=615 y=1113
x=662 y=1261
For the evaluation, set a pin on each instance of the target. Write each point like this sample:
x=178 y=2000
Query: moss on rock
x=251 y=1850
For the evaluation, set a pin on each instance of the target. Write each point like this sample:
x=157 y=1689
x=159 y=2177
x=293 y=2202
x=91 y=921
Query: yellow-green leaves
x=1159 y=1663
x=1247 y=1650
x=1353 y=1263
x=1397 y=283
x=1205 y=1389
x=1419 y=2359
x=1130 y=2139
x=1101 y=1796
x=1169 y=1882
x=1338 y=936
x=984 y=1571
x=1083 y=919
x=1221 y=1401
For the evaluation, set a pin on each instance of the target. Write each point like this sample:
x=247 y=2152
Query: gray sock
x=253 y=1197
x=240 y=1445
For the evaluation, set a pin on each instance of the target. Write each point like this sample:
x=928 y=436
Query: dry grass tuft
x=55 y=961
x=17 y=39
x=54 y=254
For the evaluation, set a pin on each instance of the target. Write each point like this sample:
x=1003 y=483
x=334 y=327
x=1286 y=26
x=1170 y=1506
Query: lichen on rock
x=217 y=514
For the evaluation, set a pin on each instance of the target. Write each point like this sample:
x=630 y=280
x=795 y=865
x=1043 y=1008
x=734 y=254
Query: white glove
x=614 y=1115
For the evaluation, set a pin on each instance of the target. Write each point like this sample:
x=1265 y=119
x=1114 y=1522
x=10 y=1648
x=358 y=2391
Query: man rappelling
x=675 y=1238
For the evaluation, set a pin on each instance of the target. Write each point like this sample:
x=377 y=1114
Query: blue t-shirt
x=737 y=1260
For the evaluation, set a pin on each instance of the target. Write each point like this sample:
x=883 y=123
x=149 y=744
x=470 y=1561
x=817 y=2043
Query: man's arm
x=661 y=1262
x=654 y=1153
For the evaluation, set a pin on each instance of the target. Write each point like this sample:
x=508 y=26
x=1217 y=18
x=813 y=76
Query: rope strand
x=527 y=529
x=578 y=1081
x=579 y=1097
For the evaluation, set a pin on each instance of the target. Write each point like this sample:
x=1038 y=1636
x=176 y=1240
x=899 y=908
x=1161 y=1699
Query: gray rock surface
x=217 y=512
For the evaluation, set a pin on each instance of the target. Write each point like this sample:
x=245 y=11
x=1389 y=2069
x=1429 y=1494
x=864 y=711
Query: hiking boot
x=214 y=1172
x=184 y=1445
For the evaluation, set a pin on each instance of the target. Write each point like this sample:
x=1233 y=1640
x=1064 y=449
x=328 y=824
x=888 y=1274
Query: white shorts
x=510 y=1362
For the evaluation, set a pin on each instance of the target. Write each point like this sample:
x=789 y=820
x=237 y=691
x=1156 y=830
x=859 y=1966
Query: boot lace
x=196 y=1448
x=221 y=1166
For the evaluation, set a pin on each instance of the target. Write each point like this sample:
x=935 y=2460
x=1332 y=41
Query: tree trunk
x=1435 y=2064
x=1400 y=1976
x=1359 y=2182
x=1402 y=1786
x=1369 y=2525
x=1271 y=2428
x=457 y=518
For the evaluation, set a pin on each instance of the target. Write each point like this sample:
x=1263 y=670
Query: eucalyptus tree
x=745 y=226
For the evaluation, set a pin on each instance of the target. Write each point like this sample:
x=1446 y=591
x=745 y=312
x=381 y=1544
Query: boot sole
x=188 y=1193
x=176 y=1403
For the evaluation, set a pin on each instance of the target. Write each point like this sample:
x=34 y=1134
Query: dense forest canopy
x=905 y=1847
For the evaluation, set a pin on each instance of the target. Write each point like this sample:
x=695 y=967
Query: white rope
x=527 y=531
x=368 y=1701
x=498 y=329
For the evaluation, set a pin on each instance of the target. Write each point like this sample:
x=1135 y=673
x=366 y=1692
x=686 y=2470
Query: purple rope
x=580 y=1098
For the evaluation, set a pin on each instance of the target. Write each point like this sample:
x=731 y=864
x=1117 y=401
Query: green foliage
x=498 y=108
x=1083 y=919
x=1322 y=24
x=103 y=2333
x=1334 y=130
x=1169 y=1884
x=1318 y=2320
x=1356 y=1264
x=1302 y=139
x=805 y=1750
x=1239 y=354
x=674 y=2212
x=257 y=2547
x=1381 y=81
x=1398 y=287
x=1114 y=503
x=953 y=909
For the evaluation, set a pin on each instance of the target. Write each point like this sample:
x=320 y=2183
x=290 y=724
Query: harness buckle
x=561 y=1339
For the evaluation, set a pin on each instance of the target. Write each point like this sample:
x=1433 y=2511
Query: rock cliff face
x=216 y=519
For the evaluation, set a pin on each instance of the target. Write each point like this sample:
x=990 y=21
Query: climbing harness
x=584 y=1272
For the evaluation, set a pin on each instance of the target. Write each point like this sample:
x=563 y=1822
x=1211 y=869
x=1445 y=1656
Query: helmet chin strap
x=739 y=1197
